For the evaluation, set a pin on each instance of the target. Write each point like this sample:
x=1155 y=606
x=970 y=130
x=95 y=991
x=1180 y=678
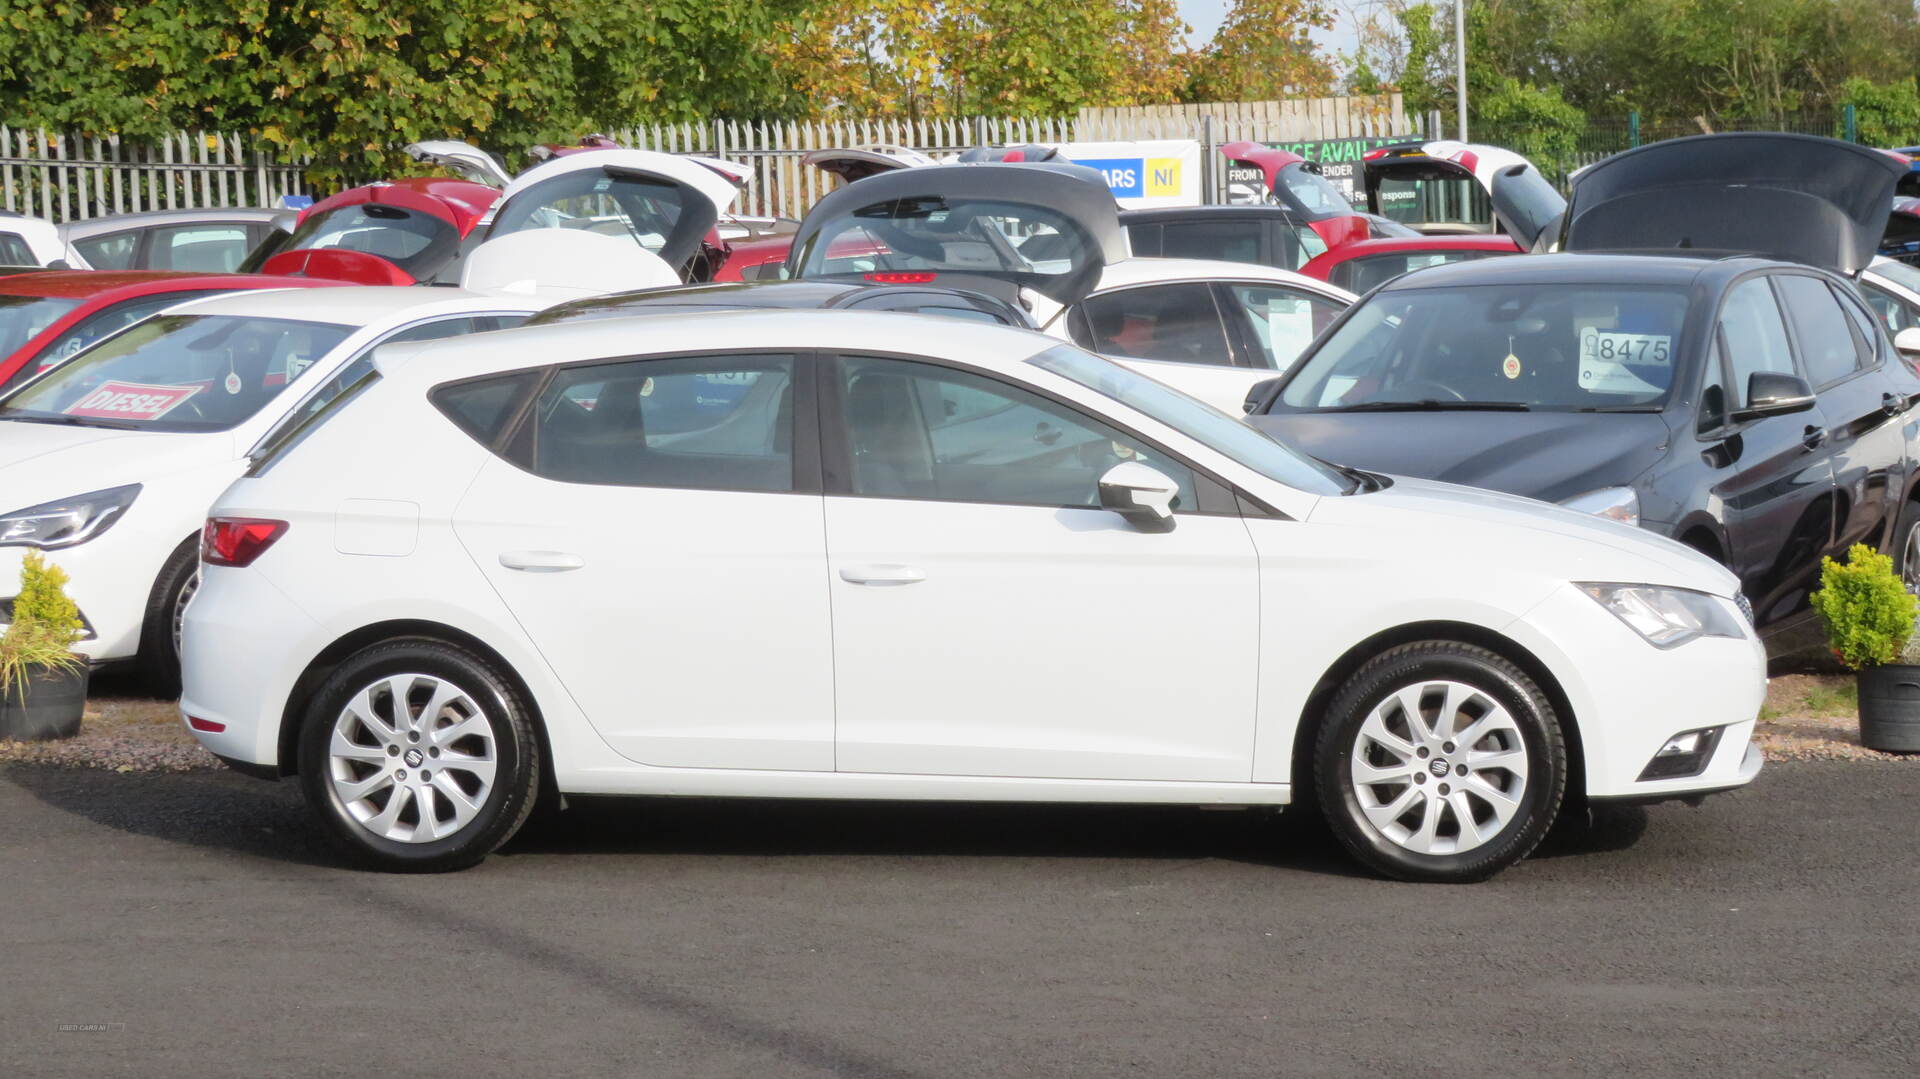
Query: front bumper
x=109 y=580
x=1750 y=764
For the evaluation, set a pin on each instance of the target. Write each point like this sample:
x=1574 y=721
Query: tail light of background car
x=901 y=277
x=237 y=541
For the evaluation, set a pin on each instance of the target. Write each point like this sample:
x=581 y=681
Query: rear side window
x=14 y=251
x=1230 y=240
x=1756 y=338
x=1828 y=347
x=1155 y=322
x=209 y=248
x=717 y=423
x=482 y=409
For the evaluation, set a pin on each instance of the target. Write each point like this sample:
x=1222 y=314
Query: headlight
x=68 y=521
x=1613 y=503
x=1667 y=617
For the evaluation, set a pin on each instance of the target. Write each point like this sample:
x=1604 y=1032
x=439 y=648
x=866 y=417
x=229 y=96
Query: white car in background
x=109 y=461
x=1892 y=289
x=823 y=554
x=31 y=241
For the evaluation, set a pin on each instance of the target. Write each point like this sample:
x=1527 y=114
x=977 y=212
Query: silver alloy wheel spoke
x=1912 y=565
x=412 y=772
x=1428 y=790
x=187 y=590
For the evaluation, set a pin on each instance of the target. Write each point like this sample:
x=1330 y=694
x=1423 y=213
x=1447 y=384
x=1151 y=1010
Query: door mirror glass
x=1908 y=342
x=1141 y=494
x=1774 y=393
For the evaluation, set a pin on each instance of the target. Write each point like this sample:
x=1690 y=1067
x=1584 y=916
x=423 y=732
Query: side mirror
x=1258 y=393
x=1907 y=341
x=1774 y=393
x=1141 y=494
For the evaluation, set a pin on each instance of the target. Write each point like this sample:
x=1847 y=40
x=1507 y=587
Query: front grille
x=1745 y=604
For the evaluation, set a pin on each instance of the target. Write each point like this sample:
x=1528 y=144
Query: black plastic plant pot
x=1890 y=708
x=48 y=705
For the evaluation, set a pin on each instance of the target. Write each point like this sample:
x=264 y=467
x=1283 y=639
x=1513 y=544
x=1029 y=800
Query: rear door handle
x=881 y=573
x=1813 y=437
x=541 y=561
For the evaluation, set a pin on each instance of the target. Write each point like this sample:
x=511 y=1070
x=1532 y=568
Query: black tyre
x=1440 y=761
x=418 y=756
x=160 y=629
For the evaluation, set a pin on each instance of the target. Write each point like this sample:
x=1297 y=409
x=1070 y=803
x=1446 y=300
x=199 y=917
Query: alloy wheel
x=187 y=589
x=1439 y=767
x=1910 y=559
x=412 y=758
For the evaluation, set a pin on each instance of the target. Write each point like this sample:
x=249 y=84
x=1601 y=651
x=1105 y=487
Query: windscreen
x=178 y=373
x=417 y=242
x=1028 y=245
x=22 y=317
x=1549 y=347
x=1203 y=423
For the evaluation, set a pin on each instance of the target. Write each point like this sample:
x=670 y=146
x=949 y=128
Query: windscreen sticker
x=130 y=401
x=1623 y=362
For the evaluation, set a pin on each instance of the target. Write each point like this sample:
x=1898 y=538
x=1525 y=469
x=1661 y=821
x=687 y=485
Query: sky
x=1205 y=15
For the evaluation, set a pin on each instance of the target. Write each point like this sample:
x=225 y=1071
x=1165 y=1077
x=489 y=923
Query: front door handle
x=881 y=573
x=1892 y=403
x=541 y=561
x=1813 y=437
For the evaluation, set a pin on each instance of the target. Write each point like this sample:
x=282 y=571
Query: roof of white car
x=982 y=344
x=1148 y=271
x=358 y=305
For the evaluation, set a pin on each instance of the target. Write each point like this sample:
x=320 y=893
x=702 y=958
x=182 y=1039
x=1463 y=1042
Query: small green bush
x=45 y=625
x=1865 y=607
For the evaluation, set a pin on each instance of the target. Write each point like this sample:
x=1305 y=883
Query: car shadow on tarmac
x=227 y=812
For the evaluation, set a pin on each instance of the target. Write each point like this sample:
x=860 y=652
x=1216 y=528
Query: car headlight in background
x=1667 y=617
x=67 y=521
x=1614 y=503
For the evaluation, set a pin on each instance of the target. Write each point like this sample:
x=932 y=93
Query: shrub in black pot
x=1869 y=614
x=43 y=684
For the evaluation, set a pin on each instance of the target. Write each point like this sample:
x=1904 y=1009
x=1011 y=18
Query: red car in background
x=400 y=232
x=1363 y=264
x=47 y=317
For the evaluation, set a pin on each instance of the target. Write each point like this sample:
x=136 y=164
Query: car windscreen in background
x=1551 y=347
x=22 y=317
x=414 y=241
x=178 y=373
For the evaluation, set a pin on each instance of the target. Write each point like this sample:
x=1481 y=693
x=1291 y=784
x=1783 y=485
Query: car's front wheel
x=418 y=756
x=1440 y=761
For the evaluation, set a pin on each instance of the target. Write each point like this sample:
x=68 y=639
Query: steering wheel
x=1427 y=388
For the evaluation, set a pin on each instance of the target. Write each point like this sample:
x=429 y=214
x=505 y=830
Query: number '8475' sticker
x=1640 y=349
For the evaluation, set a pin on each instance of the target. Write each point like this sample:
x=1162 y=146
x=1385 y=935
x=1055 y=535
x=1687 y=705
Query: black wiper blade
x=75 y=421
x=1432 y=405
x=1619 y=408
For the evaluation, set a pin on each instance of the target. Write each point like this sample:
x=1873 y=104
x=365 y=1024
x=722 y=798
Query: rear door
x=658 y=534
x=1843 y=354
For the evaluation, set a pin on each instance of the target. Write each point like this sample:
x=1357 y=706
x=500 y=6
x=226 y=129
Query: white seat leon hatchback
x=817 y=554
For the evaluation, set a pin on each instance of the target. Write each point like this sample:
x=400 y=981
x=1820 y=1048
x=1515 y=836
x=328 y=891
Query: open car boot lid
x=1009 y=155
x=1525 y=205
x=563 y=264
x=661 y=202
x=401 y=232
x=1802 y=198
x=1294 y=182
x=461 y=158
x=995 y=228
x=859 y=162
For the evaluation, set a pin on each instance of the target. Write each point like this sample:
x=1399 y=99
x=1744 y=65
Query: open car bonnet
x=1803 y=198
x=462 y=158
x=1525 y=204
x=1049 y=227
x=663 y=203
x=859 y=162
x=1294 y=182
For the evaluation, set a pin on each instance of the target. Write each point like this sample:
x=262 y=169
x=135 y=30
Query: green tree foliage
x=1866 y=609
x=1888 y=115
x=1263 y=51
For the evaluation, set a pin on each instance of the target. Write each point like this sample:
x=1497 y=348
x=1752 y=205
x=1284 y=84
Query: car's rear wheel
x=418 y=756
x=166 y=607
x=1440 y=761
x=1907 y=549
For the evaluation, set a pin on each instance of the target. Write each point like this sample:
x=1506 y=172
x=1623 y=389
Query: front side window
x=201 y=248
x=1754 y=334
x=1551 y=347
x=719 y=423
x=362 y=365
x=1155 y=322
x=178 y=373
x=1280 y=321
x=114 y=251
x=922 y=431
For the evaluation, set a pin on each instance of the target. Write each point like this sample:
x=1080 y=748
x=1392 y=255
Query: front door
x=653 y=539
x=990 y=620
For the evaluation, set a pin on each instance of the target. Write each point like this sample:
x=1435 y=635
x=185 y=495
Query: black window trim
x=1212 y=496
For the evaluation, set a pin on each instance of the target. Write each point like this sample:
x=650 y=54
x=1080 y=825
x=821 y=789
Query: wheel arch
x=337 y=653
x=1314 y=711
x=1704 y=534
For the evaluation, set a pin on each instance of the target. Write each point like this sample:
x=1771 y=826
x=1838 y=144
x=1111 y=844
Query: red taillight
x=237 y=541
x=207 y=725
x=901 y=277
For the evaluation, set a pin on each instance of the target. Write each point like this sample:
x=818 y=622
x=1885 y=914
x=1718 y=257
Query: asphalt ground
x=194 y=925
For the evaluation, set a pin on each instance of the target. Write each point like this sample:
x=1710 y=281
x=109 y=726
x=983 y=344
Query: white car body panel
x=1117 y=686
x=42 y=237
